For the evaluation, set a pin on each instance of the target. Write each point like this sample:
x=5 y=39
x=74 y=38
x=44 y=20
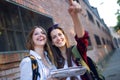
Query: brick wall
x=9 y=65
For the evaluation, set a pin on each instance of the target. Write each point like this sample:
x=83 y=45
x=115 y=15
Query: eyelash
x=53 y=37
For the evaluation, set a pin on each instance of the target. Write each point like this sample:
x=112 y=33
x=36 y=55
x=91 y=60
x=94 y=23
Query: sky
x=106 y=10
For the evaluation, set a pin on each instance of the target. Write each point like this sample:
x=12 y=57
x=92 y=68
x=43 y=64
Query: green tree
x=117 y=27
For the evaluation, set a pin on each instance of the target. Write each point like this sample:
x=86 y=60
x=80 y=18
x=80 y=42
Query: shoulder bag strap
x=34 y=67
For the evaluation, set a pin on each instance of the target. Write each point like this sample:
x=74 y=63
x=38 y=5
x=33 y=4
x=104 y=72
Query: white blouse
x=26 y=69
x=66 y=66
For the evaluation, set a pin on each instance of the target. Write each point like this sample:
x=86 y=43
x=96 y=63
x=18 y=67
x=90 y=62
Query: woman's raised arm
x=75 y=12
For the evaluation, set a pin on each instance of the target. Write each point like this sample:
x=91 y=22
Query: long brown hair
x=59 y=60
x=30 y=43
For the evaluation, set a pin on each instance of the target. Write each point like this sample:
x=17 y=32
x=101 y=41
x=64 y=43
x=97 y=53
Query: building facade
x=17 y=17
x=115 y=37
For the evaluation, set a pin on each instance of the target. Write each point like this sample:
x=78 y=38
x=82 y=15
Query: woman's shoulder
x=25 y=60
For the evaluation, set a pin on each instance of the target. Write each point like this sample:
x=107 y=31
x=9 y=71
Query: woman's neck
x=40 y=51
x=63 y=51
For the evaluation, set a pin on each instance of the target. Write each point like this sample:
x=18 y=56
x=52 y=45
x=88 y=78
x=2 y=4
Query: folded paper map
x=71 y=71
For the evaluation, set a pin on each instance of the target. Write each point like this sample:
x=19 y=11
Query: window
x=97 y=39
x=11 y=40
x=90 y=16
x=3 y=42
x=15 y=23
x=89 y=42
x=103 y=40
x=98 y=24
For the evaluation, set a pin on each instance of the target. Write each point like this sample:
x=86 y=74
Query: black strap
x=69 y=56
x=34 y=67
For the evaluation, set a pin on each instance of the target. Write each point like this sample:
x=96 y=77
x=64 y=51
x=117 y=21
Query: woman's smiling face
x=58 y=38
x=39 y=37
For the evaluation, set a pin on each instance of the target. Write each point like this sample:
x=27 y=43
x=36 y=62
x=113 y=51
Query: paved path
x=112 y=68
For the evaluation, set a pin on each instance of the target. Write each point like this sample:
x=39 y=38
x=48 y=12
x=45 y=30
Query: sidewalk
x=112 y=68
